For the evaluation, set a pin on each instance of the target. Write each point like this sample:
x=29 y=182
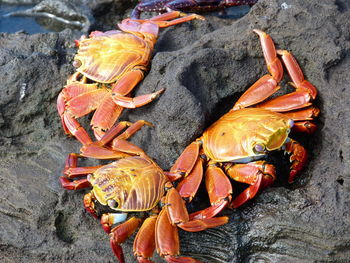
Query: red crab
x=109 y=65
x=235 y=145
x=186 y=5
x=133 y=184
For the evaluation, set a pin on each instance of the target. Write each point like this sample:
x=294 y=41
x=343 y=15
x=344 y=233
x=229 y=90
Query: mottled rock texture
x=205 y=66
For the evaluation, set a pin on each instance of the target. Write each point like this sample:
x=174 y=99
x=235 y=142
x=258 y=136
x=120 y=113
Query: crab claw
x=298 y=158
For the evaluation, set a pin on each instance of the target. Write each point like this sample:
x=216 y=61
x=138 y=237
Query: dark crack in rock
x=205 y=66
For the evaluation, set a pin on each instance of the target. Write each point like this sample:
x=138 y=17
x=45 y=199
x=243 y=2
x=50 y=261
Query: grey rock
x=205 y=66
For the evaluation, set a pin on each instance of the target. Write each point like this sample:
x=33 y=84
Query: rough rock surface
x=205 y=66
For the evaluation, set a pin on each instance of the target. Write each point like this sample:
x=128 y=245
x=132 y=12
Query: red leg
x=125 y=85
x=291 y=101
x=136 y=102
x=304 y=114
x=296 y=74
x=120 y=233
x=185 y=163
x=120 y=147
x=258 y=174
x=188 y=187
x=219 y=189
x=218 y=185
x=161 y=19
x=177 y=214
x=72 y=171
x=144 y=243
x=298 y=158
x=258 y=92
x=74 y=185
x=105 y=116
x=76 y=129
x=274 y=65
x=167 y=240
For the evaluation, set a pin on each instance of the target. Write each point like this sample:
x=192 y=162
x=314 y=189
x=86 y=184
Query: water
x=12 y=24
x=32 y=25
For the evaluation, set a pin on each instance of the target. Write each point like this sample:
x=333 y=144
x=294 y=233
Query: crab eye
x=112 y=203
x=290 y=123
x=77 y=63
x=258 y=148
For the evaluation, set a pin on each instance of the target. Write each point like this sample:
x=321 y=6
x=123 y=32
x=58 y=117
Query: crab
x=135 y=183
x=109 y=65
x=186 y=5
x=236 y=145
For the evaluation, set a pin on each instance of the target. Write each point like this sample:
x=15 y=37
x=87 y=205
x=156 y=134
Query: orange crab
x=109 y=65
x=136 y=183
x=235 y=145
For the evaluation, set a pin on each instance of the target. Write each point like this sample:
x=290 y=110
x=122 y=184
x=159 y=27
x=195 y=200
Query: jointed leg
x=257 y=174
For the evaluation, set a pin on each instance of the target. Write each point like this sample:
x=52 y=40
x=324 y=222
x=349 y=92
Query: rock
x=205 y=66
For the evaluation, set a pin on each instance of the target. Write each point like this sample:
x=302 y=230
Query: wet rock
x=205 y=66
x=82 y=15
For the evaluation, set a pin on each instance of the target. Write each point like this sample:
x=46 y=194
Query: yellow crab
x=109 y=65
x=235 y=145
x=134 y=183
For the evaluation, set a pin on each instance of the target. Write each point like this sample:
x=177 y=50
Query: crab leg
x=160 y=20
x=125 y=85
x=105 y=116
x=74 y=185
x=304 y=114
x=72 y=171
x=144 y=242
x=74 y=128
x=274 y=65
x=185 y=163
x=98 y=149
x=167 y=240
x=188 y=187
x=120 y=233
x=258 y=174
x=266 y=85
x=219 y=189
x=296 y=74
x=291 y=101
x=259 y=91
x=178 y=214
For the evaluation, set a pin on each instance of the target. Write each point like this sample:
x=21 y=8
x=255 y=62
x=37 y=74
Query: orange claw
x=298 y=158
x=89 y=204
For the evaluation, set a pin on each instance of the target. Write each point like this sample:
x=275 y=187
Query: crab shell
x=245 y=135
x=105 y=57
x=134 y=183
